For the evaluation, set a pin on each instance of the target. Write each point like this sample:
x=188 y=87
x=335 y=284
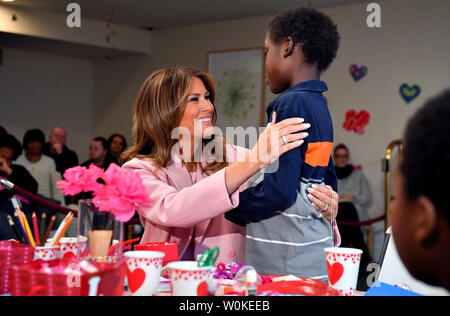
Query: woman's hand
x=324 y=200
x=277 y=139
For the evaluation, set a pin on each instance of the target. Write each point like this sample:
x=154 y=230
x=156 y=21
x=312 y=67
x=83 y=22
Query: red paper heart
x=202 y=289
x=356 y=121
x=335 y=272
x=135 y=279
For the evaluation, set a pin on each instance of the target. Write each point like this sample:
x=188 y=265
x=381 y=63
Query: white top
x=44 y=172
x=45 y=164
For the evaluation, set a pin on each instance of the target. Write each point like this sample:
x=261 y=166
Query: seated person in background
x=420 y=214
x=354 y=199
x=10 y=149
x=98 y=154
x=41 y=167
x=56 y=148
x=116 y=145
x=64 y=157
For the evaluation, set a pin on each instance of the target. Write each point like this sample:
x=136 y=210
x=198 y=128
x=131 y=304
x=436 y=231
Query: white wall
x=40 y=90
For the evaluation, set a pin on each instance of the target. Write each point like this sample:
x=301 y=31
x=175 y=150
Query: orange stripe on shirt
x=318 y=154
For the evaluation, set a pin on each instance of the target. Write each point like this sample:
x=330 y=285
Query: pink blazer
x=188 y=209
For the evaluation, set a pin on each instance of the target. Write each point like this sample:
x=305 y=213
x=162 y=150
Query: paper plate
x=304 y=286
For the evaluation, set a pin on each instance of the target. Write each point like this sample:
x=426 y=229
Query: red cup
x=169 y=248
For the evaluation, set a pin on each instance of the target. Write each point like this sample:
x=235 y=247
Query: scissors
x=209 y=257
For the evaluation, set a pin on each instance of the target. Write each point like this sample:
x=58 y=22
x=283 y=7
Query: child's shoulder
x=292 y=101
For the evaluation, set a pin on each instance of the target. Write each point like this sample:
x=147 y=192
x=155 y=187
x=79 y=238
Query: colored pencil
x=64 y=229
x=21 y=228
x=42 y=228
x=15 y=229
x=60 y=228
x=36 y=229
x=28 y=229
x=49 y=229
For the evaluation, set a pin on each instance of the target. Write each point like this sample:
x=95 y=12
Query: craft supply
x=21 y=228
x=36 y=229
x=209 y=257
x=64 y=229
x=114 y=247
x=15 y=229
x=252 y=283
x=60 y=228
x=42 y=228
x=49 y=229
x=27 y=229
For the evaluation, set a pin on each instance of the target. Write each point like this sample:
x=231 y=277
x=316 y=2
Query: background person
x=56 y=148
x=10 y=149
x=116 y=145
x=98 y=154
x=354 y=199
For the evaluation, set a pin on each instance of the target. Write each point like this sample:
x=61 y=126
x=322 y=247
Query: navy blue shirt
x=310 y=163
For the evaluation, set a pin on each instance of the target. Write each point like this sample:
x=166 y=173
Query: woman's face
x=341 y=158
x=198 y=114
x=117 y=145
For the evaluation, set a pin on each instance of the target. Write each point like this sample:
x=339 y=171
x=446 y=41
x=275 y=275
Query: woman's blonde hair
x=158 y=110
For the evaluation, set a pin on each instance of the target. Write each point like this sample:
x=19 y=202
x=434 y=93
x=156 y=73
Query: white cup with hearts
x=70 y=247
x=46 y=253
x=188 y=279
x=144 y=271
x=343 y=269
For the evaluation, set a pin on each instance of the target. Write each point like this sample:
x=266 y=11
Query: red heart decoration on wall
x=356 y=121
x=335 y=272
x=135 y=279
x=202 y=289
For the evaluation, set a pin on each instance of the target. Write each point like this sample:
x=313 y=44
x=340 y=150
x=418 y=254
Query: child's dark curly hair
x=313 y=30
x=426 y=155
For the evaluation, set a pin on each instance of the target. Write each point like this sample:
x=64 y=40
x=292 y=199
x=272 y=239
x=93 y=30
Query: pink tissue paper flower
x=80 y=179
x=122 y=194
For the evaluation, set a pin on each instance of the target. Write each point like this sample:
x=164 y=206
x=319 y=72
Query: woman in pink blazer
x=193 y=175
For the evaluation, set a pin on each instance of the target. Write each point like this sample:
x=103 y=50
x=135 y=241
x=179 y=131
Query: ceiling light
x=7 y=0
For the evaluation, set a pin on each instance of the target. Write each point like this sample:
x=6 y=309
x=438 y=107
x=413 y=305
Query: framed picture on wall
x=240 y=79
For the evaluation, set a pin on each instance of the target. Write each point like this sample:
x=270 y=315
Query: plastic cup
x=169 y=248
x=46 y=253
x=187 y=279
x=70 y=247
x=143 y=272
x=343 y=269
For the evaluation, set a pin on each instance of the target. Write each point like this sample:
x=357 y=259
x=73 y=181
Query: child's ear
x=426 y=221
x=288 y=47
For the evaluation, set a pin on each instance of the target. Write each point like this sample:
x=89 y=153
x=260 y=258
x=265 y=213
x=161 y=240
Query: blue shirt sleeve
x=278 y=190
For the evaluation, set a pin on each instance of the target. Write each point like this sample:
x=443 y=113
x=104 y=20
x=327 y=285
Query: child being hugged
x=286 y=233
